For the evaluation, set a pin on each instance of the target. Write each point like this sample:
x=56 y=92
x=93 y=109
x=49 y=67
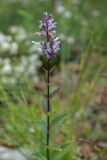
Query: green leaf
x=54 y=92
x=44 y=103
x=52 y=69
x=38 y=156
x=55 y=147
x=58 y=119
x=42 y=93
x=41 y=125
x=65 y=151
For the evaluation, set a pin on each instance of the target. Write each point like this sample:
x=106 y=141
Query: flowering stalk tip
x=51 y=45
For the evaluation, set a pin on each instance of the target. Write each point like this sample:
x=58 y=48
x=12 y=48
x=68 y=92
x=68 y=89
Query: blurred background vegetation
x=79 y=111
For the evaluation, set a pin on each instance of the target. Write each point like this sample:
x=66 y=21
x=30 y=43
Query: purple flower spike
x=47 y=29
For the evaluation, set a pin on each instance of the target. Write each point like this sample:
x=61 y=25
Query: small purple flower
x=48 y=23
x=47 y=29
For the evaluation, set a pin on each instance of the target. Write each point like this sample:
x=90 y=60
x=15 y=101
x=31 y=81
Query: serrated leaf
x=54 y=92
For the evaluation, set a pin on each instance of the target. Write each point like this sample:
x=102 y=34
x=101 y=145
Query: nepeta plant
x=49 y=48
